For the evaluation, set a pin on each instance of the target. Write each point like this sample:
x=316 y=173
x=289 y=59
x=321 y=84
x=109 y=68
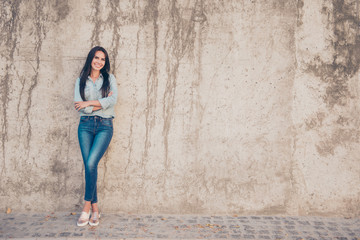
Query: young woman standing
x=95 y=98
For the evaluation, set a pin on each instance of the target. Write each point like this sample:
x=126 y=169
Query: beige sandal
x=94 y=220
x=83 y=219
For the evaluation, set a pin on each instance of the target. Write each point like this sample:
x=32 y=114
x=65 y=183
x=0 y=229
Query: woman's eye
x=102 y=59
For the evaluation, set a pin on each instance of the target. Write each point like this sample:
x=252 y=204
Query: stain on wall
x=326 y=107
x=232 y=106
x=337 y=73
x=345 y=58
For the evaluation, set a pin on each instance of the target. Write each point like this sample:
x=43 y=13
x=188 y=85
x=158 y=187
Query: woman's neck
x=94 y=75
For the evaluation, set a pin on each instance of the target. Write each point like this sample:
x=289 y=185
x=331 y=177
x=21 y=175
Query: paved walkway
x=121 y=226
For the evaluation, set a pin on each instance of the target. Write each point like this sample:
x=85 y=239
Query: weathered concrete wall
x=225 y=107
x=326 y=164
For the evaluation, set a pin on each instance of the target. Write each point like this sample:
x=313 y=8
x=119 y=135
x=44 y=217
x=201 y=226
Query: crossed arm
x=95 y=103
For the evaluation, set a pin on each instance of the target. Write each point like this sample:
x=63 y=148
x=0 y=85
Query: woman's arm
x=83 y=104
x=94 y=103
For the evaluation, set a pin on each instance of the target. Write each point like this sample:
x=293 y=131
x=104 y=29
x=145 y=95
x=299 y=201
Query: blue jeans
x=94 y=135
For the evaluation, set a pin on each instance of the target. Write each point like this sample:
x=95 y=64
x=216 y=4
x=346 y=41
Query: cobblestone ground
x=123 y=226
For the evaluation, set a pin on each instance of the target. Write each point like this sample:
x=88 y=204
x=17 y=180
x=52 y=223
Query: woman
x=95 y=98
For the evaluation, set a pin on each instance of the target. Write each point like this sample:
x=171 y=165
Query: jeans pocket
x=107 y=122
x=84 y=119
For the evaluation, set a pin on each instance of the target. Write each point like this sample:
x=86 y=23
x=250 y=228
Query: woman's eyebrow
x=100 y=58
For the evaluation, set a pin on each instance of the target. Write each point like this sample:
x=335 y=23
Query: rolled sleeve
x=88 y=109
x=110 y=101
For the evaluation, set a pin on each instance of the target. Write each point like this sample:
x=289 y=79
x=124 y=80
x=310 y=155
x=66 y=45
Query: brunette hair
x=86 y=70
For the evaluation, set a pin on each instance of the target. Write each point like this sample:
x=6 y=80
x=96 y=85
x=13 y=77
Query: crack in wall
x=196 y=109
x=151 y=14
x=104 y=161
x=190 y=199
x=299 y=12
x=297 y=183
x=40 y=34
x=10 y=25
x=115 y=24
x=179 y=41
x=96 y=20
x=134 y=101
x=22 y=81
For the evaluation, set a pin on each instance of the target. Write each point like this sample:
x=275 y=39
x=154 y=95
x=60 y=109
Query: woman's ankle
x=94 y=207
x=87 y=206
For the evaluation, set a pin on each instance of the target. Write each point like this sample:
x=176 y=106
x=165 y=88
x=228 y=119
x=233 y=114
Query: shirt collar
x=99 y=78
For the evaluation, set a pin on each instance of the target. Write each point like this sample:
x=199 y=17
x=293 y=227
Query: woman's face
x=98 y=61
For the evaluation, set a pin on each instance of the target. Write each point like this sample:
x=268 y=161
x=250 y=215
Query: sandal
x=83 y=219
x=94 y=220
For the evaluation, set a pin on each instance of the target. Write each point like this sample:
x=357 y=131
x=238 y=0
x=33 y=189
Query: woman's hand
x=110 y=93
x=80 y=105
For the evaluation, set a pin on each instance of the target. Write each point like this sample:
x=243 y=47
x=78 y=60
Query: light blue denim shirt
x=93 y=92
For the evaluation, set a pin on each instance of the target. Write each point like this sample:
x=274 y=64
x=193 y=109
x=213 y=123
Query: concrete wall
x=237 y=106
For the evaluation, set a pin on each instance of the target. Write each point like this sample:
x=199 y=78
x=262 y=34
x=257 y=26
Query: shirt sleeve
x=77 y=98
x=110 y=101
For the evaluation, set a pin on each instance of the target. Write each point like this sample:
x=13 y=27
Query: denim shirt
x=93 y=92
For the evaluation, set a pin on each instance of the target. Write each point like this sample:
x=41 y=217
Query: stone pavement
x=61 y=225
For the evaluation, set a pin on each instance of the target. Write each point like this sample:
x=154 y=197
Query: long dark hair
x=86 y=70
